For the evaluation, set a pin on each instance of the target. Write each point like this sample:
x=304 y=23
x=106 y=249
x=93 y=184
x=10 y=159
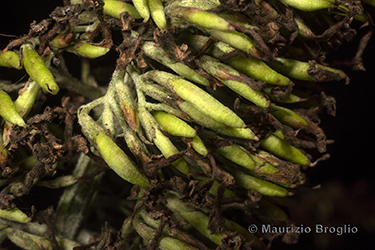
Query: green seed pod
x=114 y=8
x=238 y=155
x=199 y=17
x=309 y=5
x=200 y=220
x=237 y=40
x=259 y=70
x=121 y=164
x=33 y=242
x=206 y=121
x=250 y=66
x=263 y=187
x=167 y=148
x=142 y=7
x=10 y=59
x=164 y=242
x=157 y=13
x=284 y=150
x=26 y=98
x=198 y=145
x=37 y=70
x=202 y=5
x=288 y=117
x=14 y=215
x=307 y=71
x=195 y=217
x=89 y=51
x=159 y=55
x=161 y=141
x=228 y=76
x=174 y=125
x=8 y=110
x=200 y=99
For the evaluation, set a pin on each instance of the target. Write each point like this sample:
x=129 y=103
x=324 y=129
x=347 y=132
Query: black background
x=351 y=166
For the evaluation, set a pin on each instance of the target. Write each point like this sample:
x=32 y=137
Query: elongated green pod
x=174 y=125
x=263 y=187
x=237 y=40
x=249 y=66
x=288 y=116
x=88 y=50
x=200 y=99
x=142 y=7
x=307 y=71
x=114 y=8
x=199 y=220
x=37 y=70
x=202 y=5
x=284 y=150
x=159 y=55
x=118 y=161
x=238 y=155
x=199 y=17
x=34 y=242
x=8 y=110
x=14 y=215
x=30 y=241
x=157 y=13
x=228 y=76
x=10 y=59
x=309 y=5
x=206 y=121
x=164 y=242
x=26 y=98
x=164 y=144
x=259 y=70
x=195 y=217
x=198 y=145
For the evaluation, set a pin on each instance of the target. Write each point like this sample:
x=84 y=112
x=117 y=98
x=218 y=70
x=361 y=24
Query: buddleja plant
x=212 y=110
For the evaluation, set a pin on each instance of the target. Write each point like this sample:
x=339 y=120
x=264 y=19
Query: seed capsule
x=174 y=125
x=8 y=110
x=157 y=13
x=10 y=59
x=115 y=8
x=121 y=163
x=37 y=70
x=89 y=51
x=282 y=149
x=14 y=215
x=200 y=99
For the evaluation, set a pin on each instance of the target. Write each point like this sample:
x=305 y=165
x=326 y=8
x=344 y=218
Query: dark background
x=347 y=179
